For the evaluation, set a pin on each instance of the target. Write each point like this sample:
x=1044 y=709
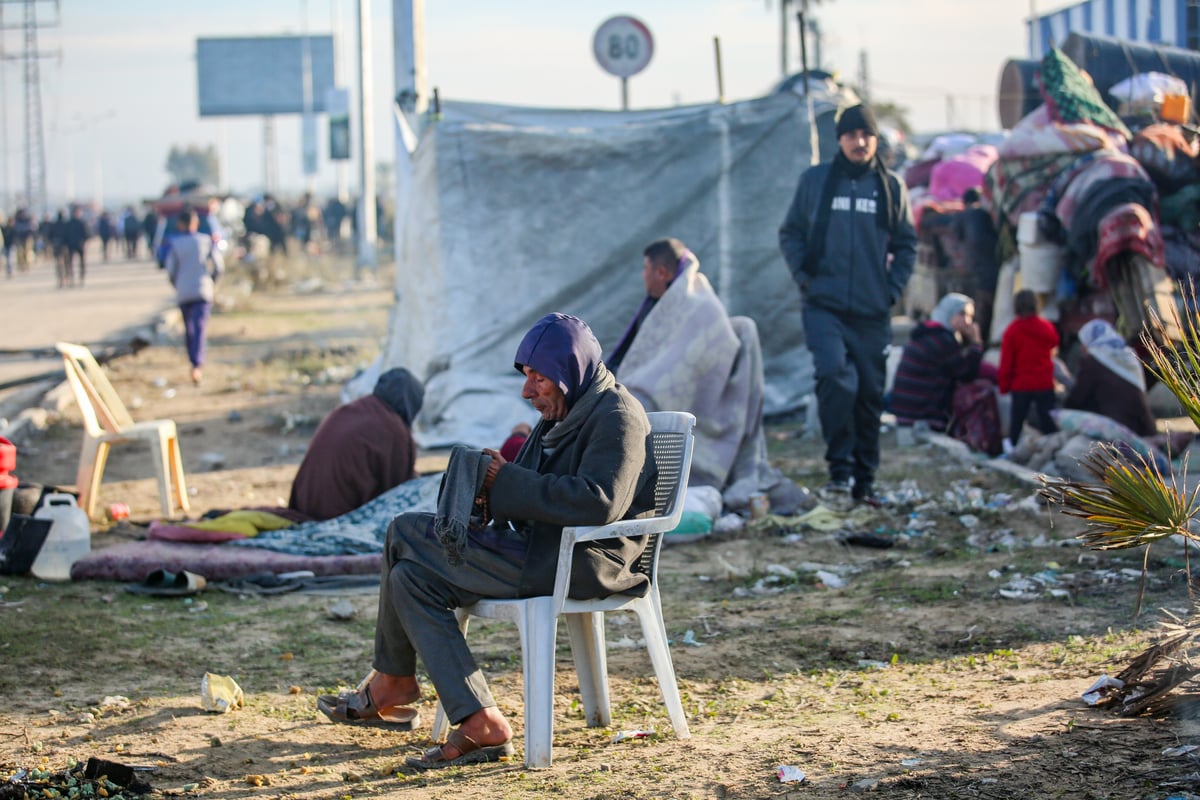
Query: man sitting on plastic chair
x=587 y=462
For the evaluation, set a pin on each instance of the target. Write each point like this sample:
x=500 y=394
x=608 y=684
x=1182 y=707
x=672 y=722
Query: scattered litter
x=115 y=702
x=234 y=416
x=624 y=643
x=220 y=693
x=1098 y=690
x=169 y=394
x=96 y=778
x=865 y=785
x=159 y=383
x=1183 y=749
x=728 y=570
x=622 y=736
x=910 y=762
x=213 y=460
x=196 y=607
x=781 y=571
x=689 y=638
x=789 y=774
x=342 y=611
x=969 y=520
x=994 y=573
x=866 y=663
x=728 y=523
x=830 y=580
x=875 y=540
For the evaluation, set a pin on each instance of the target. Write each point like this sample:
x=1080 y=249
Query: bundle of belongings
x=1094 y=189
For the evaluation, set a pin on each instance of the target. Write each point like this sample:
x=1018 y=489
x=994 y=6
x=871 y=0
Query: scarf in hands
x=461 y=484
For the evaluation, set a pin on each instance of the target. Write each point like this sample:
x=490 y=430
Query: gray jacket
x=854 y=277
x=603 y=473
x=194 y=266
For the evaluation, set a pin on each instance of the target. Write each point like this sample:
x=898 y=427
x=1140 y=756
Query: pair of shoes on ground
x=161 y=583
x=859 y=491
x=359 y=709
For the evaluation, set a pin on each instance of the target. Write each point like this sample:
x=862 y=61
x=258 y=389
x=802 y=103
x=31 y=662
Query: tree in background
x=193 y=164
x=893 y=115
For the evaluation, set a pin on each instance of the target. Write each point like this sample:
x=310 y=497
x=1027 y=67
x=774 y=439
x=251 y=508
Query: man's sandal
x=357 y=708
x=469 y=752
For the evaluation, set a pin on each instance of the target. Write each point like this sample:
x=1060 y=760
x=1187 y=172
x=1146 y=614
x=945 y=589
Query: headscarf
x=403 y=393
x=564 y=349
x=1104 y=344
x=948 y=306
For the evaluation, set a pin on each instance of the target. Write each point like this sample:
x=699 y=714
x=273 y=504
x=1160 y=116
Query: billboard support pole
x=269 y=171
x=366 y=142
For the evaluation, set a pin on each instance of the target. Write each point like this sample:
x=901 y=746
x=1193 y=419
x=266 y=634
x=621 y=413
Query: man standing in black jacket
x=849 y=242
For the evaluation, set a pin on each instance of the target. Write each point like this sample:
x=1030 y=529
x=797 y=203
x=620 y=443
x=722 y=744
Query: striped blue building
x=1170 y=22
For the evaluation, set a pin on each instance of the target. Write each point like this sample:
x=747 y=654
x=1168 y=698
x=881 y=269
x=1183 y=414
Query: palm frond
x=1131 y=504
x=1177 y=367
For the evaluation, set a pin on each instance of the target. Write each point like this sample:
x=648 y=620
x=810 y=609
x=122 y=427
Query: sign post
x=623 y=47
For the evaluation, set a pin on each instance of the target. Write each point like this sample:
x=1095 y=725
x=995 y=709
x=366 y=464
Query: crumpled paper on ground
x=220 y=693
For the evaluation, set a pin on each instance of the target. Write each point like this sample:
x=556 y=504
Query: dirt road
x=116 y=298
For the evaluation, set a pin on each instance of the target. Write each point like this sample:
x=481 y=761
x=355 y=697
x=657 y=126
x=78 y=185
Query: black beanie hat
x=855 y=118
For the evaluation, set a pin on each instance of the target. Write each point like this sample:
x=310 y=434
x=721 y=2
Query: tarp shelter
x=512 y=213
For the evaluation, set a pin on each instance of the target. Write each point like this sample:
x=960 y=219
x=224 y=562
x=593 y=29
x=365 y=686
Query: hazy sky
x=121 y=87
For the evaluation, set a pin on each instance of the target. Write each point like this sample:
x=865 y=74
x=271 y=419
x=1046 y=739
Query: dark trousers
x=418 y=593
x=195 y=329
x=1042 y=403
x=850 y=367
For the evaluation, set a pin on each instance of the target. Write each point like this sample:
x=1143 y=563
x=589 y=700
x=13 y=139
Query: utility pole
x=784 y=25
x=864 y=77
x=366 y=141
x=35 y=139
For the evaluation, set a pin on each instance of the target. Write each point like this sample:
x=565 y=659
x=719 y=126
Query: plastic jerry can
x=69 y=540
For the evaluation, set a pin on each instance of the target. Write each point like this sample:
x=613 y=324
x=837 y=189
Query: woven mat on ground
x=133 y=561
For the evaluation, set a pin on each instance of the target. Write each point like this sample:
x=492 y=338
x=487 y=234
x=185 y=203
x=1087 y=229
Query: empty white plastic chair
x=536 y=618
x=106 y=422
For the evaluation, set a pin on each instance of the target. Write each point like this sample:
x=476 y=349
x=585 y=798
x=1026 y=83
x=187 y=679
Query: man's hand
x=493 y=468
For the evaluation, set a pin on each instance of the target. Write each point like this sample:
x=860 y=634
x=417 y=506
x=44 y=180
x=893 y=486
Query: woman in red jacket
x=1027 y=366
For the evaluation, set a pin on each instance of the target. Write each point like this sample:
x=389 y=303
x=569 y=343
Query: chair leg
x=538 y=627
x=92 y=457
x=441 y=723
x=162 y=472
x=591 y=665
x=655 y=634
x=175 y=459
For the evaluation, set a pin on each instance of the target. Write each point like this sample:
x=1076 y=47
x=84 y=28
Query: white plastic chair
x=106 y=422
x=536 y=618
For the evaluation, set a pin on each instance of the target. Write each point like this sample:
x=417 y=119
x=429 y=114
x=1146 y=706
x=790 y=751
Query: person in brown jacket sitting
x=361 y=449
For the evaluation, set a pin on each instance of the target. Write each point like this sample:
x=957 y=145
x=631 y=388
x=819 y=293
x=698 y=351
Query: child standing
x=1027 y=365
x=194 y=266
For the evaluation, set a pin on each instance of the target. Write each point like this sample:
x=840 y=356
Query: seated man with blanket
x=682 y=352
x=587 y=462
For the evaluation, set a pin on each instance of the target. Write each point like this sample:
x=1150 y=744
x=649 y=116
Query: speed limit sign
x=623 y=46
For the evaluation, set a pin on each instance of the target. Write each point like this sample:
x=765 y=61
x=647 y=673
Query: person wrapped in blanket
x=360 y=450
x=587 y=462
x=943 y=353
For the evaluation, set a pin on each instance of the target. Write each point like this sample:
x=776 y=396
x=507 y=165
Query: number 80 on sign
x=623 y=46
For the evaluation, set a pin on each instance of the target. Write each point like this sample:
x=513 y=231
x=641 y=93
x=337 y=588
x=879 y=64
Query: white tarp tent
x=511 y=213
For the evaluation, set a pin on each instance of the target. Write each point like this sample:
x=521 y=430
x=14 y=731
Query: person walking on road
x=194 y=267
x=849 y=243
x=75 y=236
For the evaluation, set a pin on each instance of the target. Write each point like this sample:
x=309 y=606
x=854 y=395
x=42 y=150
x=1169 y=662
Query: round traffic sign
x=623 y=46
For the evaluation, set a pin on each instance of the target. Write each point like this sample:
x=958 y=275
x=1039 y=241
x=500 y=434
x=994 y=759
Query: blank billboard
x=261 y=74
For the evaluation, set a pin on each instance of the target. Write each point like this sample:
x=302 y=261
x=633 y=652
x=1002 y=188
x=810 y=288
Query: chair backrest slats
x=669 y=447
x=98 y=400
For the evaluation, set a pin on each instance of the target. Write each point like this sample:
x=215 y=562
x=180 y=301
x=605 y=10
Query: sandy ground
x=925 y=670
